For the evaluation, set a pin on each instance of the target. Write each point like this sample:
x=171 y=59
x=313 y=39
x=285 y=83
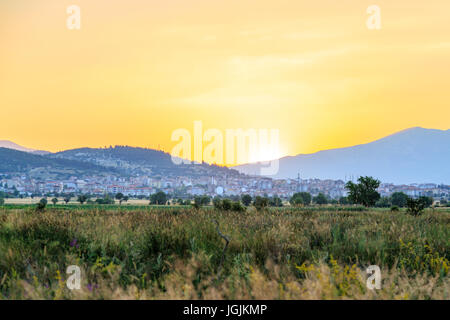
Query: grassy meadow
x=144 y=252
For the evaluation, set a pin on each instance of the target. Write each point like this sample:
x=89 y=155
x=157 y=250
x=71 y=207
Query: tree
x=2 y=201
x=399 y=199
x=261 y=202
x=106 y=200
x=364 y=192
x=226 y=204
x=237 y=206
x=198 y=202
x=159 y=198
x=427 y=201
x=82 y=198
x=41 y=204
x=276 y=202
x=300 y=198
x=320 y=199
x=343 y=200
x=415 y=206
x=205 y=200
x=246 y=199
x=126 y=198
x=55 y=201
x=217 y=202
x=119 y=196
x=66 y=199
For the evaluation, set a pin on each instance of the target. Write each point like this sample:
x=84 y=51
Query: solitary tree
x=364 y=192
x=55 y=201
x=246 y=199
x=41 y=204
x=82 y=198
x=158 y=198
x=119 y=196
x=415 y=206
x=67 y=199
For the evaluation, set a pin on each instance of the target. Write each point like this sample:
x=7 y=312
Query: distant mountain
x=408 y=156
x=11 y=145
x=14 y=161
x=132 y=160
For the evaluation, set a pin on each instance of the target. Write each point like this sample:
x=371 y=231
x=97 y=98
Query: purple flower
x=74 y=243
x=90 y=286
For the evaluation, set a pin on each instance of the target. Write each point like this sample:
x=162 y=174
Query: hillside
x=133 y=160
x=408 y=156
x=13 y=161
x=11 y=145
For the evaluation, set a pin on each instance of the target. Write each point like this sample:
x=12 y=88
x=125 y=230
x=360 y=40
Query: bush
x=415 y=206
x=237 y=206
x=300 y=198
x=226 y=204
x=261 y=202
x=246 y=199
x=106 y=200
x=41 y=204
x=395 y=209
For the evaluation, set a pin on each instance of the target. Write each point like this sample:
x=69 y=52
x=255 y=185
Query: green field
x=144 y=252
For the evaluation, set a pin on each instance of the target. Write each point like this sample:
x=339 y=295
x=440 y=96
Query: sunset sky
x=140 y=69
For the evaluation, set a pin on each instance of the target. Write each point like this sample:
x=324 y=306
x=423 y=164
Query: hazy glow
x=140 y=69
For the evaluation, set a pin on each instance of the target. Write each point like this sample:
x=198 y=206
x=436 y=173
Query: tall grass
x=175 y=253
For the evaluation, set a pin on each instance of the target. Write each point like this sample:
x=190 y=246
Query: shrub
x=226 y=204
x=41 y=204
x=246 y=199
x=237 y=206
x=395 y=209
x=415 y=206
x=300 y=198
x=217 y=203
x=261 y=202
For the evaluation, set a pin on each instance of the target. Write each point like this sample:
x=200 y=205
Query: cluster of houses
x=224 y=185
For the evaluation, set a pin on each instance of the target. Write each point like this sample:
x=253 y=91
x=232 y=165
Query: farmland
x=175 y=252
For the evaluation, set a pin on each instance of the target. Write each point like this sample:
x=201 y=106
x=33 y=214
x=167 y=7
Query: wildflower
x=74 y=243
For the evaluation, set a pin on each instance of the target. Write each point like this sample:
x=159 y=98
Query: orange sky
x=140 y=69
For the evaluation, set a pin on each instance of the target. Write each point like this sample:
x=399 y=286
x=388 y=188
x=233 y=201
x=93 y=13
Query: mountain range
x=11 y=145
x=415 y=155
x=118 y=161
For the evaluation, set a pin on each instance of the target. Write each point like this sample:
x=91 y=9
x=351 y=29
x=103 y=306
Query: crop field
x=145 y=252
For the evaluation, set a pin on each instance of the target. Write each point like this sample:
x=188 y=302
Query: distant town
x=143 y=186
